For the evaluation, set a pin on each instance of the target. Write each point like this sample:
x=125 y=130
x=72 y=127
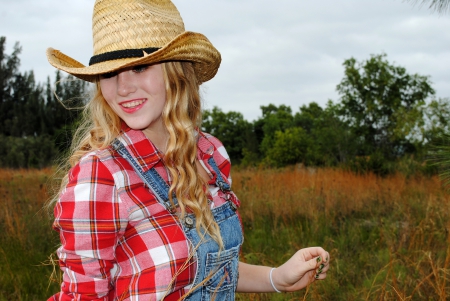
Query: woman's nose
x=125 y=84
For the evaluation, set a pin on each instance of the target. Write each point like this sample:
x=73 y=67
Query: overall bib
x=217 y=271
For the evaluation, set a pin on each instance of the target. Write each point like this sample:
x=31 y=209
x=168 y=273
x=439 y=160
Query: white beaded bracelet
x=271 y=281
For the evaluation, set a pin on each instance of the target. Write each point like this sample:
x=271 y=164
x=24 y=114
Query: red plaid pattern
x=118 y=242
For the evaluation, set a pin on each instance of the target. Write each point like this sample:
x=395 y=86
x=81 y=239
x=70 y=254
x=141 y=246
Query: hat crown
x=134 y=24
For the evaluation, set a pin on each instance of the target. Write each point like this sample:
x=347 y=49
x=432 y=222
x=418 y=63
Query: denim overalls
x=219 y=268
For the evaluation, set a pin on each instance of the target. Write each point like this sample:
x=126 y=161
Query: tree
x=439 y=5
x=63 y=105
x=334 y=140
x=32 y=119
x=308 y=116
x=383 y=105
x=273 y=119
x=230 y=128
x=9 y=69
x=64 y=100
x=437 y=122
x=289 y=147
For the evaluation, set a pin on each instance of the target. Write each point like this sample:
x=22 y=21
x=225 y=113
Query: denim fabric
x=217 y=271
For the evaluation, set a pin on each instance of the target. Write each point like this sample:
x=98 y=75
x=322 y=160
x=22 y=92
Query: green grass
x=388 y=237
x=26 y=238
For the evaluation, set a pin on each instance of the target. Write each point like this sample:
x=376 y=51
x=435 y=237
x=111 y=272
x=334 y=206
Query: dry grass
x=309 y=191
x=388 y=237
x=26 y=238
x=19 y=189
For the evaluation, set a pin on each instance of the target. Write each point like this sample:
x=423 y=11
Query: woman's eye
x=108 y=75
x=140 y=68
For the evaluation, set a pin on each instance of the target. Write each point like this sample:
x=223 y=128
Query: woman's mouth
x=132 y=105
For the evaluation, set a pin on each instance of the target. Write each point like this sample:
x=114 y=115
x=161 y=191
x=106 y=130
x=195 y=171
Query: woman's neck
x=159 y=138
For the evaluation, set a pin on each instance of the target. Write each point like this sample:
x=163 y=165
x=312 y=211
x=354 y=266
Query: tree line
x=385 y=119
x=35 y=127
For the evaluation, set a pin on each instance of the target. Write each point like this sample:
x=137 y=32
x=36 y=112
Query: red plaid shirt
x=118 y=242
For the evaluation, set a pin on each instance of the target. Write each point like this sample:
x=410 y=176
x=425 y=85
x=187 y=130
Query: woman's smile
x=130 y=106
x=137 y=95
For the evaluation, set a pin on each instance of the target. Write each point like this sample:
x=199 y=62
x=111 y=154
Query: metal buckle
x=172 y=209
x=233 y=205
x=189 y=222
x=222 y=186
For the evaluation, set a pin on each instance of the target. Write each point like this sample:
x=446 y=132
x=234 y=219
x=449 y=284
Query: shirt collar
x=146 y=153
x=140 y=147
x=205 y=147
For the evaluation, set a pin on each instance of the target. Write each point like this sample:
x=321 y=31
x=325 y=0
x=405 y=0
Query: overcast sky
x=281 y=51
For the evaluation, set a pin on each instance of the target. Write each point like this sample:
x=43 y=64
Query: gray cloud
x=282 y=52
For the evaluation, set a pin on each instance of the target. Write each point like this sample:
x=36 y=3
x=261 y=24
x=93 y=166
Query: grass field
x=388 y=237
x=26 y=238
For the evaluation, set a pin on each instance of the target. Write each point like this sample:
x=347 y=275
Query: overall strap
x=220 y=182
x=154 y=181
x=224 y=185
x=160 y=188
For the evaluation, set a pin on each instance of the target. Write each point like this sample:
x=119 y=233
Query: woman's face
x=137 y=95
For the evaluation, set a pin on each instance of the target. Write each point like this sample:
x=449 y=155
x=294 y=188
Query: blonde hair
x=182 y=116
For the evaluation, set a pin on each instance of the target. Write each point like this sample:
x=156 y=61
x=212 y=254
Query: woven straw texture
x=137 y=24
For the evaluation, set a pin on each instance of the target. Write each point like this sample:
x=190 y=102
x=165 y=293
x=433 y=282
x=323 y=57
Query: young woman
x=146 y=211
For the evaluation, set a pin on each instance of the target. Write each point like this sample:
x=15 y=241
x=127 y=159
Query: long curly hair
x=182 y=116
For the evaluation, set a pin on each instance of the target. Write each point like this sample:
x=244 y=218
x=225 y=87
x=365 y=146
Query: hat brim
x=188 y=46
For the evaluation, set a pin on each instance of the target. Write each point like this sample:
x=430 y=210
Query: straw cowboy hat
x=128 y=33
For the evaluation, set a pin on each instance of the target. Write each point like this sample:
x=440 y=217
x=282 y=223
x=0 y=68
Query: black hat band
x=121 y=54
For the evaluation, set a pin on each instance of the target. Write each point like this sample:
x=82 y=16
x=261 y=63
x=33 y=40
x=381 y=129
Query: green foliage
x=230 y=128
x=383 y=104
x=440 y=157
x=437 y=120
x=63 y=106
x=289 y=147
x=384 y=118
x=333 y=142
x=384 y=114
x=274 y=119
x=308 y=116
x=29 y=152
x=34 y=125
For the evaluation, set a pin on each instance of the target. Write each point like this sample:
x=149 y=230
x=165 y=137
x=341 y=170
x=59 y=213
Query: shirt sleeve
x=221 y=157
x=87 y=216
x=223 y=161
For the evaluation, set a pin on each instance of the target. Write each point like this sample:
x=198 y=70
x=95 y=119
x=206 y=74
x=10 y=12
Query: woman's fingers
x=323 y=268
x=320 y=276
x=304 y=267
x=319 y=265
x=321 y=271
x=318 y=252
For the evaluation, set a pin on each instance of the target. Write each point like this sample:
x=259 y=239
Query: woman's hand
x=303 y=268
